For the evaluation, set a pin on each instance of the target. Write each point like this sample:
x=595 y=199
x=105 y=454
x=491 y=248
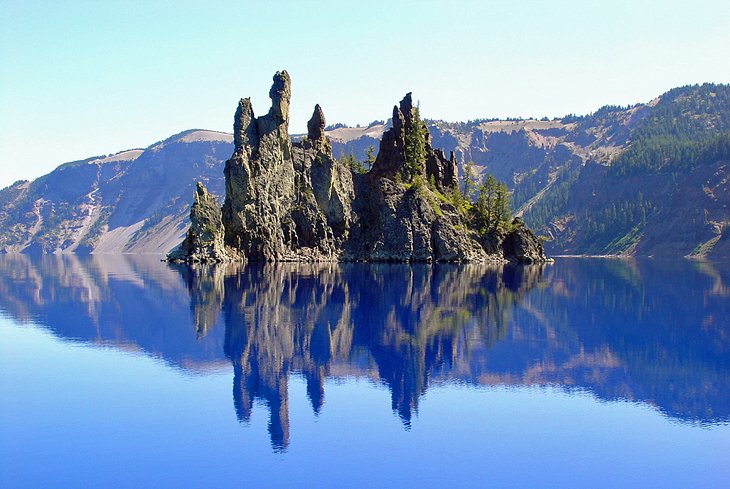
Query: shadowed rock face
x=391 y=156
x=522 y=245
x=290 y=201
x=410 y=222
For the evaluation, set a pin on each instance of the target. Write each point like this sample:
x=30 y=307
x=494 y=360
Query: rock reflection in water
x=650 y=332
x=409 y=320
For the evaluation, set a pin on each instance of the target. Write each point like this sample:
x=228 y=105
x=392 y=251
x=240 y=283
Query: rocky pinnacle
x=244 y=133
x=280 y=95
x=315 y=130
x=316 y=125
x=292 y=201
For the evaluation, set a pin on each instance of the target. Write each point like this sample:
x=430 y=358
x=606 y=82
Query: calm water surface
x=126 y=372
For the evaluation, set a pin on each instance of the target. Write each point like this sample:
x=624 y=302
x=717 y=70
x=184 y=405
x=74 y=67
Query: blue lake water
x=123 y=371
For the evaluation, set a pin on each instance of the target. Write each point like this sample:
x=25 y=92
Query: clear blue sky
x=80 y=78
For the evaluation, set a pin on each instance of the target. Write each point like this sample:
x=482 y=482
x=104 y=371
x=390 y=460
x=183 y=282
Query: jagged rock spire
x=391 y=160
x=204 y=240
x=315 y=131
x=316 y=125
x=280 y=95
x=406 y=108
x=391 y=155
x=244 y=133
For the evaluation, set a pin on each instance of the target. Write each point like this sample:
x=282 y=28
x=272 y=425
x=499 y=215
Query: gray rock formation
x=315 y=131
x=294 y=202
x=284 y=202
x=404 y=215
x=204 y=240
x=522 y=245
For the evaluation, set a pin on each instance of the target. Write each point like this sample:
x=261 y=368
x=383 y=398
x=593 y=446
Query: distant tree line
x=553 y=202
x=690 y=127
x=671 y=155
x=357 y=166
x=608 y=226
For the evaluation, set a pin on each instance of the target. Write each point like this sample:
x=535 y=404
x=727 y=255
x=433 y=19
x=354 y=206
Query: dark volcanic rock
x=284 y=202
x=294 y=202
x=391 y=155
x=403 y=214
x=315 y=131
x=522 y=245
x=245 y=134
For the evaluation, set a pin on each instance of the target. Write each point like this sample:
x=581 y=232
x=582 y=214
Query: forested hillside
x=665 y=193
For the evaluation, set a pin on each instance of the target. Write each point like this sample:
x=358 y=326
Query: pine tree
x=469 y=180
x=491 y=211
x=370 y=157
x=501 y=207
x=415 y=139
x=350 y=162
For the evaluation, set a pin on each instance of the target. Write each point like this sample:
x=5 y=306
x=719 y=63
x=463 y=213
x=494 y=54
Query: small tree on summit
x=415 y=139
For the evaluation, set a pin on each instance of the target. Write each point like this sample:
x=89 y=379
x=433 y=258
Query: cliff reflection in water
x=396 y=323
x=646 y=332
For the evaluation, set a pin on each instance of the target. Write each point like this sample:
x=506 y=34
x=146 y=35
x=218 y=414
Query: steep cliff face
x=284 y=201
x=294 y=202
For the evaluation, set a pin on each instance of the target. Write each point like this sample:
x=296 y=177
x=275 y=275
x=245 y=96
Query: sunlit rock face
x=284 y=201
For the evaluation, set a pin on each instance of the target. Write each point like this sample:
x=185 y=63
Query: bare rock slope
x=135 y=201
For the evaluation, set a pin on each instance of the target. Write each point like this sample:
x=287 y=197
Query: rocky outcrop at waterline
x=293 y=201
x=204 y=240
x=521 y=244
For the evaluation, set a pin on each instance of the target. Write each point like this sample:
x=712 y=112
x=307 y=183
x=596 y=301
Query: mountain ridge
x=551 y=167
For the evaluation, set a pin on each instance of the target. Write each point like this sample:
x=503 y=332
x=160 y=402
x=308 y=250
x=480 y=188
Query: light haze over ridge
x=84 y=78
